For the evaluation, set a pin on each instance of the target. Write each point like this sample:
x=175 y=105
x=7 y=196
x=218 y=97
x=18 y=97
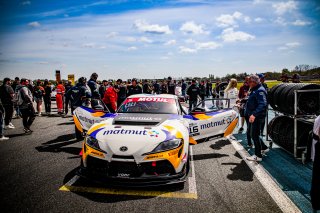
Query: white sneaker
x=10 y=124
x=254 y=158
x=9 y=127
x=2 y=138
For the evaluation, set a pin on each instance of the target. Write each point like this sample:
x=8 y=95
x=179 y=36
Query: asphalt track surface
x=38 y=171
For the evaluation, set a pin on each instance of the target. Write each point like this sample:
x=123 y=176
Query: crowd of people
x=20 y=95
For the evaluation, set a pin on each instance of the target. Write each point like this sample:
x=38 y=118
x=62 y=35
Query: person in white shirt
x=231 y=92
x=178 y=89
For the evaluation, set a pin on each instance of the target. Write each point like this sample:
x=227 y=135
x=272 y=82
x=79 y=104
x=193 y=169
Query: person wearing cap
x=193 y=92
x=134 y=88
x=122 y=94
x=7 y=95
x=255 y=113
x=111 y=98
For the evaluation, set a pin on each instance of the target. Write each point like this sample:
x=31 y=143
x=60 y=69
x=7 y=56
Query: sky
x=156 y=39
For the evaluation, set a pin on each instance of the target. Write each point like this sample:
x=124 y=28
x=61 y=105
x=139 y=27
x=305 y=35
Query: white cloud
x=293 y=44
x=164 y=58
x=190 y=41
x=229 y=35
x=207 y=45
x=34 y=24
x=26 y=3
x=258 y=1
x=193 y=28
x=145 y=39
x=132 y=48
x=88 y=45
x=183 y=49
x=112 y=35
x=280 y=21
x=230 y=20
x=170 y=42
x=144 y=26
x=130 y=39
x=284 y=7
x=258 y=19
x=299 y=22
x=289 y=46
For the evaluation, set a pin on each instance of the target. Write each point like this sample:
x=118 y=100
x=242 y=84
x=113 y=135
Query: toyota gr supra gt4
x=147 y=141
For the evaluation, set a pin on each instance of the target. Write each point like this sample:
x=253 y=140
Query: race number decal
x=194 y=130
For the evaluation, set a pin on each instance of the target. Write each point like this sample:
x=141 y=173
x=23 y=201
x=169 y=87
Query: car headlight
x=167 y=145
x=92 y=142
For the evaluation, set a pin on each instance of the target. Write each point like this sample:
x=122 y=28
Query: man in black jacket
x=6 y=95
x=193 y=92
x=134 y=88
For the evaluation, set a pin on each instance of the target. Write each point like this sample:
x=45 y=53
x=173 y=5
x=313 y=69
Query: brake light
x=154 y=164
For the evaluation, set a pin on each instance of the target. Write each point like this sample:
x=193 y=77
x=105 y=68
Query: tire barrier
x=281 y=131
x=281 y=98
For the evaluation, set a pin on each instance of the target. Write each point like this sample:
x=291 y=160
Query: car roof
x=152 y=95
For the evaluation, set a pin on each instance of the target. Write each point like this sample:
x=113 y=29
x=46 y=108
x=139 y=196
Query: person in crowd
x=25 y=99
x=47 y=96
x=208 y=89
x=30 y=85
x=164 y=88
x=255 y=112
x=183 y=88
x=38 y=94
x=134 y=88
x=202 y=95
x=296 y=78
x=2 y=112
x=146 y=87
x=178 y=89
x=59 y=97
x=156 y=87
x=242 y=96
x=103 y=88
x=14 y=86
x=68 y=86
x=79 y=94
x=171 y=86
x=262 y=80
x=315 y=156
x=111 y=98
x=92 y=83
x=7 y=95
x=284 y=78
x=122 y=94
x=231 y=92
x=193 y=92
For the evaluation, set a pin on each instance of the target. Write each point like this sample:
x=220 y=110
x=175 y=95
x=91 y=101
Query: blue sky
x=146 y=39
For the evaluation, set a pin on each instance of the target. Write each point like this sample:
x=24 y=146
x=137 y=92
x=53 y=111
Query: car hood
x=137 y=133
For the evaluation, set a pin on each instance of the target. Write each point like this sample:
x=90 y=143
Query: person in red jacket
x=59 y=97
x=111 y=97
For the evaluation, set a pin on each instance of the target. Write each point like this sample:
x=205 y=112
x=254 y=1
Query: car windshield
x=154 y=105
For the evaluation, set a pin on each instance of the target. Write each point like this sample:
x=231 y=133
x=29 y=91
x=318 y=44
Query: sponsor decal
x=125 y=132
x=153 y=156
x=153 y=133
x=138 y=118
x=224 y=121
x=151 y=99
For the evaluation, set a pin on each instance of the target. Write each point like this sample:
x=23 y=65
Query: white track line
x=192 y=179
x=281 y=199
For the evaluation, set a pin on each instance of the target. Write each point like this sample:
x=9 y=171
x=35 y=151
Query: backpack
x=18 y=97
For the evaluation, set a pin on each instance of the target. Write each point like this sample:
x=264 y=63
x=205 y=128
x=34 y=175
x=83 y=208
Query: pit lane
x=38 y=173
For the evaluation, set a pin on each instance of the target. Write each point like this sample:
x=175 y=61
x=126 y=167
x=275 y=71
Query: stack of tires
x=280 y=130
x=281 y=98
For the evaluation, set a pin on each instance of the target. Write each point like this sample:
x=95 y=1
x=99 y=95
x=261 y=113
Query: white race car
x=147 y=141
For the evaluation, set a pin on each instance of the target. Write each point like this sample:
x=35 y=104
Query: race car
x=146 y=142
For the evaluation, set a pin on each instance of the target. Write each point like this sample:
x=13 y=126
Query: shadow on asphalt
x=67 y=123
x=16 y=135
x=105 y=198
x=241 y=171
x=219 y=144
x=59 y=145
x=208 y=156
